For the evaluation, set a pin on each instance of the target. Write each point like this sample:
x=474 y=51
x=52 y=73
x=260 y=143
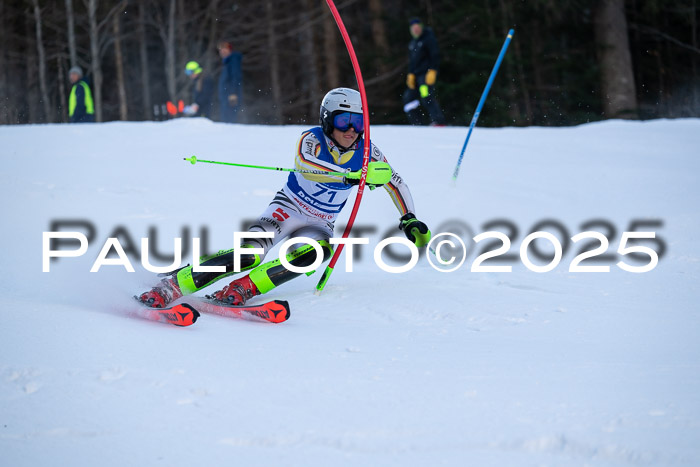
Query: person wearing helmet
x=202 y=92
x=306 y=206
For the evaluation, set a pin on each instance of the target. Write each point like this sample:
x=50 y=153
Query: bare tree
x=213 y=34
x=165 y=23
x=119 y=62
x=42 y=62
x=170 y=74
x=274 y=62
x=61 y=80
x=32 y=102
x=98 y=45
x=291 y=47
x=95 y=58
x=4 y=82
x=330 y=43
x=185 y=36
x=70 y=17
x=694 y=59
x=310 y=79
x=145 y=69
x=381 y=41
x=617 y=79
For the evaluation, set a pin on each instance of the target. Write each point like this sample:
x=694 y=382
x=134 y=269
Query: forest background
x=570 y=61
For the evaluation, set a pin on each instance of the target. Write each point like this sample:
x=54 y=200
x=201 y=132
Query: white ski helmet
x=336 y=101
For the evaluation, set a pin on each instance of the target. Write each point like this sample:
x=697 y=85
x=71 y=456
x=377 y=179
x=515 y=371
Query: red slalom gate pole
x=365 y=158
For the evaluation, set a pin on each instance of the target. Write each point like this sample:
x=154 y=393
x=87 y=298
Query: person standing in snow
x=202 y=92
x=306 y=206
x=423 y=64
x=230 y=83
x=81 y=108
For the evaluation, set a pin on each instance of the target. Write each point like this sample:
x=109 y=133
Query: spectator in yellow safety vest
x=81 y=107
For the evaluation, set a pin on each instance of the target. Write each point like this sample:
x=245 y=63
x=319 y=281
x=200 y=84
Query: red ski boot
x=238 y=292
x=161 y=295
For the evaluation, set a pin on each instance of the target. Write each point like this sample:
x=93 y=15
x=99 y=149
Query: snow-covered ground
x=420 y=368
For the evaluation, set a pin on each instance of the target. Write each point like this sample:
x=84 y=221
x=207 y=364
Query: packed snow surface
x=418 y=368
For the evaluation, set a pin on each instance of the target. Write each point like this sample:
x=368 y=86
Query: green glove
x=378 y=174
x=415 y=230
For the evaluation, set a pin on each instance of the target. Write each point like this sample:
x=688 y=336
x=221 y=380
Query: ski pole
x=365 y=156
x=194 y=160
x=482 y=100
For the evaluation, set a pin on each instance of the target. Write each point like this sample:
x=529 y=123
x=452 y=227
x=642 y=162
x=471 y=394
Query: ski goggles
x=343 y=121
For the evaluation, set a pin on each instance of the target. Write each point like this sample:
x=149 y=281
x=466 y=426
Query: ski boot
x=237 y=292
x=161 y=295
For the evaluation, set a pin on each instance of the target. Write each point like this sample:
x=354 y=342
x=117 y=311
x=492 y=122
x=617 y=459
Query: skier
x=306 y=206
x=202 y=92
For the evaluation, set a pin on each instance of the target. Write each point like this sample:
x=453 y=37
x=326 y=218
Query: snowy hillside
x=421 y=368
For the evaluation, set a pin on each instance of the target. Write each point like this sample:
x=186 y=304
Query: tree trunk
x=274 y=63
x=119 y=63
x=61 y=80
x=330 y=45
x=31 y=114
x=310 y=80
x=42 y=63
x=184 y=36
x=4 y=65
x=381 y=40
x=170 y=74
x=71 y=33
x=695 y=109
x=145 y=70
x=617 y=78
x=166 y=30
x=213 y=34
x=95 y=58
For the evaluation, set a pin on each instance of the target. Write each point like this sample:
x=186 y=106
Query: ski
x=186 y=313
x=275 y=311
x=181 y=314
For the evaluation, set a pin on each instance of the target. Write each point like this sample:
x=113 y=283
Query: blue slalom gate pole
x=482 y=100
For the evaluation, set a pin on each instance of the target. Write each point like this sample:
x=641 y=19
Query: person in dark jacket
x=202 y=92
x=424 y=61
x=230 y=83
x=81 y=107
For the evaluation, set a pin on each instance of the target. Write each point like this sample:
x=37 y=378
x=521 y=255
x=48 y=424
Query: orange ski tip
x=279 y=311
x=181 y=315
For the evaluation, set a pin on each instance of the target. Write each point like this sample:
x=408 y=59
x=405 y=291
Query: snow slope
x=420 y=368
